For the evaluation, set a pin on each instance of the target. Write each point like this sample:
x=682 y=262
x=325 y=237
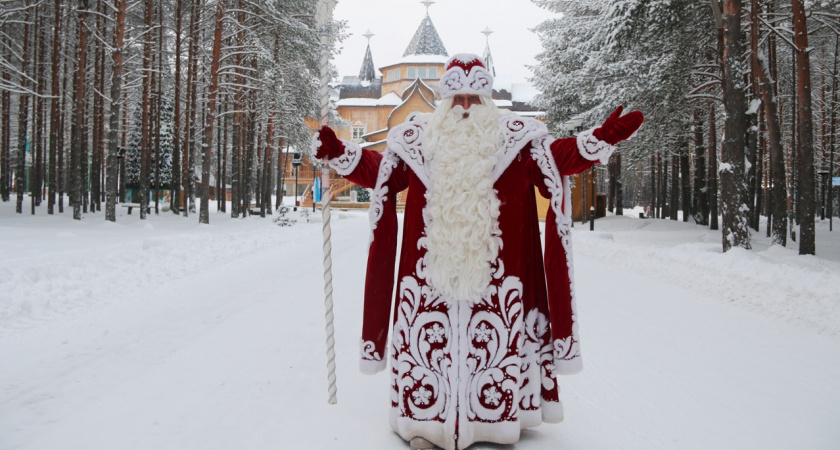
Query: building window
x=398 y=74
x=391 y=75
x=412 y=72
x=422 y=72
x=433 y=72
x=357 y=133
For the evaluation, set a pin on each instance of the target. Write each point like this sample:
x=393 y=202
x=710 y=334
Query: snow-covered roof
x=502 y=83
x=524 y=92
x=426 y=40
x=391 y=99
x=436 y=59
x=503 y=103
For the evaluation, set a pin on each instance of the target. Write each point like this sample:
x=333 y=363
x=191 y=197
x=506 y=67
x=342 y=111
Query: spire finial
x=368 y=34
x=487 y=32
x=427 y=3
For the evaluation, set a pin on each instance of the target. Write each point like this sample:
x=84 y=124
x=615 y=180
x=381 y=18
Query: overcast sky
x=458 y=22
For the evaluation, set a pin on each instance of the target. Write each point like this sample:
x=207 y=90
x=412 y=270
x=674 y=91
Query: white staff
x=324 y=17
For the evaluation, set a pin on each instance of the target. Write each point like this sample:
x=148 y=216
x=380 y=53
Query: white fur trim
x=567 y=360
x=557 y=185
x=406 y=140
x=346 y=163
x=316 y=142
x=371 y=361
x=380 y=192
x=369 y=367
x=456 y=81
x=552 y=412
x=518 y=131
x=567 y=350
x=593 y=149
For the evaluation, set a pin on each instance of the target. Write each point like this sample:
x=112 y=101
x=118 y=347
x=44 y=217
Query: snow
x=169 y=334
x=390 y=99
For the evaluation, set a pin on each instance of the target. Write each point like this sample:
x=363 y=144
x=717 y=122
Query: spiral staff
x=325 y=9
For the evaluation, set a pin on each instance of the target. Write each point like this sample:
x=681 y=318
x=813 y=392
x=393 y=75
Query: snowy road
x=229 y=351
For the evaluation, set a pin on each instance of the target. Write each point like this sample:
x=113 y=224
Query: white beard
x=462 y=212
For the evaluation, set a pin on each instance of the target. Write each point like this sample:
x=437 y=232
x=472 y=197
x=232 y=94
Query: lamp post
x=824 y=177
x=297 y=160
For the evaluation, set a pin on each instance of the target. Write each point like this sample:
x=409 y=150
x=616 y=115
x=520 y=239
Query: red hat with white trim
x=467 y=74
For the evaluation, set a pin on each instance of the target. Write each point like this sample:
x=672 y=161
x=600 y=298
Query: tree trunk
x=38 y=107
x=5 y=123
x=204 y=214
x=663 y=186
x=175 y=183
x=114 y=119
x=265 y=205
x=701 y=190
x=713 y=171
x=144 y=112
x=98 y=114
x=619 y=189
x=224 y=157
x=654 y=204
x=685 y=180
x=23 y=117
x=281 y=173
x=805 y=150
x=158 y=105
x=55 y=111
x=62 y=151
x=735 y=229
x=77 y=138
x=675 y=186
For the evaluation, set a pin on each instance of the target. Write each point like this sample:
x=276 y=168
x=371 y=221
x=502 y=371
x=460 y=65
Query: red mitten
x=617 y=127
x=326 y=144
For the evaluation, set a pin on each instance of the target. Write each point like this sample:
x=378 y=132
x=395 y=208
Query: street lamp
x=297 y=160
x=825 y=173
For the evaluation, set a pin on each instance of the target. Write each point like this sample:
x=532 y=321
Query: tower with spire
x=408 y=87
x=368 y=72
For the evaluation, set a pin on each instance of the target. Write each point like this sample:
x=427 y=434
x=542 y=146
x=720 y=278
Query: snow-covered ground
x=167 y=334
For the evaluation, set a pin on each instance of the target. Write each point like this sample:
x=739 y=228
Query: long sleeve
x=553 y=161
x=382 y=254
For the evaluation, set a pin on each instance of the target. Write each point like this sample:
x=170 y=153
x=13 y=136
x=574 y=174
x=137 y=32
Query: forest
x=740 y=99
x=115 y=101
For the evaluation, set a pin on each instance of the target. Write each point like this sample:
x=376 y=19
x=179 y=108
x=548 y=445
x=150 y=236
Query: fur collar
x=406 y=140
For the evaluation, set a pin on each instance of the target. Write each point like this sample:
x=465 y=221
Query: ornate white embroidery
x=493 y=354
x=518 y=131
x=380 y=192
x=541 y=152
x=407 y=141
x=536 y=361
x=368 y=351
x=479 y=81
x=422 y=345
x=566 y=349
x=559 y=188
x=593 y=149
x=346 y=163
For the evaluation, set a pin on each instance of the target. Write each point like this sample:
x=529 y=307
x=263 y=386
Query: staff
x=324 y=16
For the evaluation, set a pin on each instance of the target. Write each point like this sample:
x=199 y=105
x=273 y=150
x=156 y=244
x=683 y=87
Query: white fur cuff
x=593 y=149
x=568 y=366
x=346 y=163
x=552 y=412
x=371 y=367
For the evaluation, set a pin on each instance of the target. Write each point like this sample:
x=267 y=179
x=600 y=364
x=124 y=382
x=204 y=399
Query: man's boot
x=419 y=443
